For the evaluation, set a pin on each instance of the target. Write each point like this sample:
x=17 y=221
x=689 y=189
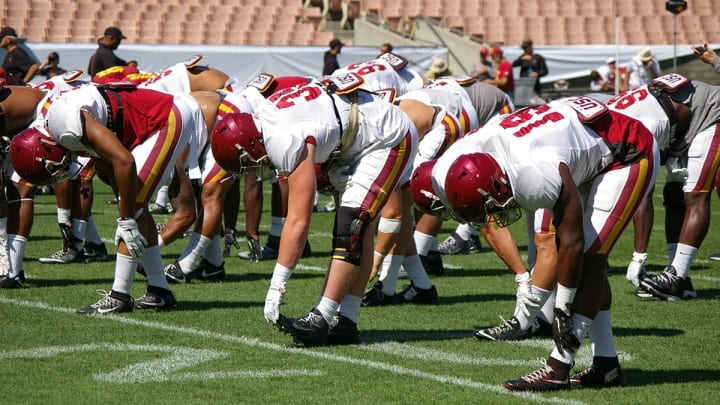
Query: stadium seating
x=278 y=22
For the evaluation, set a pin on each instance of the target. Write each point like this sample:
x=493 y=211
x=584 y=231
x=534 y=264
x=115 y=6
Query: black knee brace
x=350 y=227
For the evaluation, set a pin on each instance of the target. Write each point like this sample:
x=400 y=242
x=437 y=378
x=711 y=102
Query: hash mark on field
x=253 y=342
x=159 y=370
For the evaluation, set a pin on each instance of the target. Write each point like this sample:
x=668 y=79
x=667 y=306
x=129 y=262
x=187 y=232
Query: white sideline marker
x=252 y=342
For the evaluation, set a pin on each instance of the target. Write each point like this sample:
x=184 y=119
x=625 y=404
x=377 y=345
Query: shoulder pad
x=344 y=83
x=588 y=109
x=193 y=61
x=388 y=94
x=463 y=80
x=397 y=62
x=72 y=75
x=262 y=81
x=673 y=81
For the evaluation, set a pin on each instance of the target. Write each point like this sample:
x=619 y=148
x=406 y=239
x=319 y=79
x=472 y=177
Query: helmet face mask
x=502 y=214
x=262 y=167
x=39 y=159
x=59 y=171
x=423 y=193
x=238 y=146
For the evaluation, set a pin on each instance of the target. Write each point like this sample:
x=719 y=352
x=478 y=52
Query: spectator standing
x=531 y=64
x=385 y=48
x=50 y=67
x=482 y=69
x=104 y=57
x=330 y=61
x=504 y=78
x=642 y=69
x=19 y=66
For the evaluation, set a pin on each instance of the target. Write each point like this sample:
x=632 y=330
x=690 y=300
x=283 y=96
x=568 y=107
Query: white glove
x=127 y=231
x=635 y=272
x=526 y=301
x=273 y=299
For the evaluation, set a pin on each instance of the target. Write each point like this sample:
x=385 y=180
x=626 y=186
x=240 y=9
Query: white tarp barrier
x=245 y=62
x=242 y=62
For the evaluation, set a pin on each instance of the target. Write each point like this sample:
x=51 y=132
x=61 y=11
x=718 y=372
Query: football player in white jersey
x=202 y=257
x=81 y=239
x=134 y=135
x=693 y=158
x=595 y=166
x=368 y=144
x=18 y=110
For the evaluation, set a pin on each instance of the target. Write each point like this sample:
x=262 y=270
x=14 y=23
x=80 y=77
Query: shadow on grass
x=185 y=305
x=647 y=332
x=461 y=299
x=475 y=272
x=639 y=378
x=380 y=336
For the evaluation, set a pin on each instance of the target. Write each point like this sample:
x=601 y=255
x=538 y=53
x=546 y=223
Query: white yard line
x=252 y=342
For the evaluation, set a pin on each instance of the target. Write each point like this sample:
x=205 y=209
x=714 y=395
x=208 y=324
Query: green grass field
x=217 y=348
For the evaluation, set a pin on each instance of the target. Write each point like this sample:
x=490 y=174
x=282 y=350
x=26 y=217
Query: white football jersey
x=173 y=80
x=529 y=145
x=644 y=107
x=379 y=74
x=295 y=115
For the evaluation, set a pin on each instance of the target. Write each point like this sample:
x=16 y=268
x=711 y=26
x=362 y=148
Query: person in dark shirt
x=531 y=64
x=104 y=57
x=330 y=62
x=19 y=66
x=50 y=67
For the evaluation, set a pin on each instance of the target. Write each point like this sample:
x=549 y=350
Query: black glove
x=254 y=246
x=563 y=333
x=230 y=241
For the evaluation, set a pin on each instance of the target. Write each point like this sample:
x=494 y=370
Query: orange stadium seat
x=217 y=21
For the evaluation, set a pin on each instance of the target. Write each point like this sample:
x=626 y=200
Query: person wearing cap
x=18 y=64
x=104 y=57
x=642 y=69
x=330 y=61
x=439 y=68
x=504 y=78
x=482 y=70
x=608 y=72
x=531 y=64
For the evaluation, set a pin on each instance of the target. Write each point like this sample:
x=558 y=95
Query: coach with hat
x=19 y=66
x=104 y=57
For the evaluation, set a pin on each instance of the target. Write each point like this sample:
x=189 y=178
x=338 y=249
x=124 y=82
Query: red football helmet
x=38 y=158
x=477 y=188
x=237 y=145
x=423 y=193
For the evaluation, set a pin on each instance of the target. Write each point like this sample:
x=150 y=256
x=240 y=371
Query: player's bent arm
x=109 y=148
x=301 y=196
x=568 y=218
